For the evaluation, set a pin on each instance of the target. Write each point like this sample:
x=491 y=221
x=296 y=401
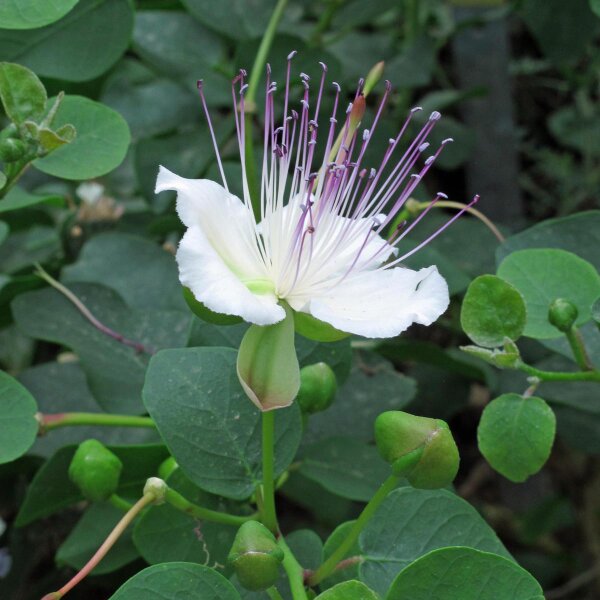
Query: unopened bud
x=428 y=443
x=317 y=388
x=562 y=314
x=95 y=470
x=158 y=488
x=267 y=364
x=12 y=150
x=255 y=556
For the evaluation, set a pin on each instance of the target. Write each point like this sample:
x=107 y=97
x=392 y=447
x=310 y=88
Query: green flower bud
x=205 y=313
x=317 y=388
x=562 y=314
x=267 y=365
x=158 y=488
x=255 y=556
x=95 y=470
x=12 y=150
x=399 y=434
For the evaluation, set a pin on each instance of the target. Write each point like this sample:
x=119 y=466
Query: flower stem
x=274 y=594
x=294 y=571
x=329 y=566
x=49 y=422
x=577 y=344
x=176 y=500
x=120 y=503
x=558 y=375
x=85 y=311
x=108 y=543
x=255 y=74
x=268 y=512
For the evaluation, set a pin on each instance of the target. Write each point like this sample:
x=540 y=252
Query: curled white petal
x=383 y=303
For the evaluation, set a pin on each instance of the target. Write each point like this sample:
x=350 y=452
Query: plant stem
x=329 y=566
x=49 y=422
x=108 y=543
x=250 y=100
x=176 y=500
x=274 y=594
x=268 y=512
x=411 y=21
x=294 y=571
x=558 y=375
x=578 y=348
x=85 y=311
x=120 y=503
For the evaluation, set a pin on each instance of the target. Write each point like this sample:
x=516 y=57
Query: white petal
x=217 y=287
x=227 y=223
x=382 y=304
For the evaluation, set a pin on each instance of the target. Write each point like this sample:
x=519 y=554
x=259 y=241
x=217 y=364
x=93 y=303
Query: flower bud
x=158 y=488
x=267 y=364
x=205 y=313
x=12 y=150
x=95 y=470
x=562 y=314
x=317 y=388
x=255 y=556
x=399 y=434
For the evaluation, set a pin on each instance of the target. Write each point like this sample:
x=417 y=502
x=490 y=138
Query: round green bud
x=418 y=448
x=255 y=556
x=562 y=314
x=12 y=150
x=317 y=388
x=95 y=470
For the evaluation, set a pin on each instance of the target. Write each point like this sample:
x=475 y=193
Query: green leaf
x=333 y=541
x=139 y=270
x=4 y=230
x=210 y=426
x=542 y=275
x=579 y=233
x=56 y=50
x=61 y=387
x=87 y=536
x=18 y=198
x=237 y=19
x=23 y=95
x=51 y=489
x=18 y=425
x=423 y=520
x=596 y=311
x=102 y=138
x=516 y=434
x=464 y=574
x=174 y=581
x=184 y=46
x=346 y=467
x=165 y=534
x=38 y=243
x=492 y=310
x=348 y=590
x=115 y=372
x=31 y=14
x=595 y=6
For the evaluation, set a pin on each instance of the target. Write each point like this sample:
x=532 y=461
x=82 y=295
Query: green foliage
x=22 y=93
x=516 y=434
x=492 y=310
x=348 y=590
x=474 y=575
x=30 y=14
x=542 y=276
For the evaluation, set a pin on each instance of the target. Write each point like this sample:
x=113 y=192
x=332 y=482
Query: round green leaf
x=18 y=425
x=595 y=6
x=208 y=423
x=100 y=146
x=22 y=93
x=492 y=310
x=103 y=27
x=174 y=581
x=29 y=14
x=348 y=590
x=516 y=434
x=457 y=573
x=542 y=275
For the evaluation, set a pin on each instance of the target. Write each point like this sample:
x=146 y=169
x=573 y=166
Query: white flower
x=318 y=244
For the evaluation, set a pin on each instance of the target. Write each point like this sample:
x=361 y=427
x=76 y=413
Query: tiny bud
x=562 y=314
x=255 y=556
x=419 y=448
x=12 y=150
x=95 y=470
x=317 y=388
x=158 y=488
x=267 y=365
